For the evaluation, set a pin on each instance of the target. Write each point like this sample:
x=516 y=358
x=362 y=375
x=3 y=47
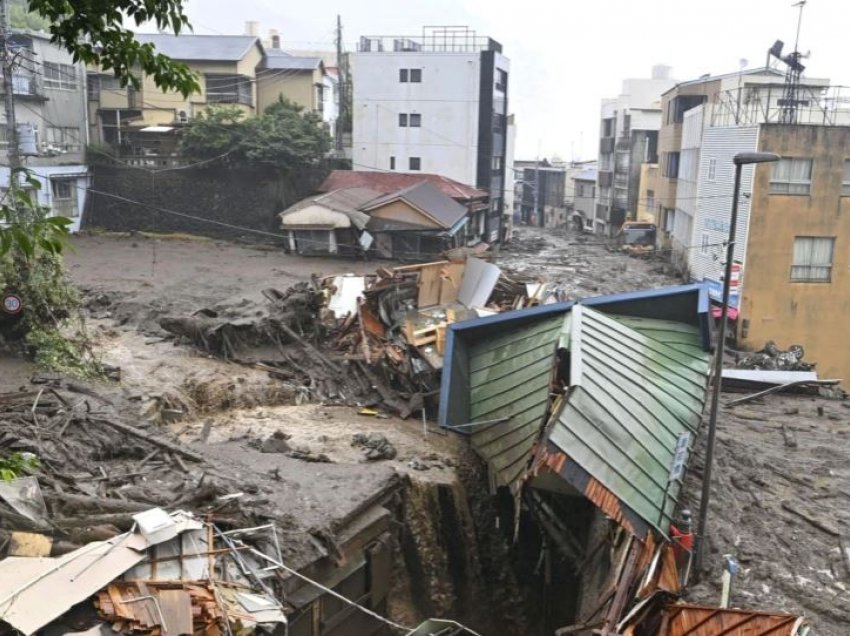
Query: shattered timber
x=463 y=446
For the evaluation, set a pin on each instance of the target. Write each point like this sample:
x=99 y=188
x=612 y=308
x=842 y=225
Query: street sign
x=12 y=304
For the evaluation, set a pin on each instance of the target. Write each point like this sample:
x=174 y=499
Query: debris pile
x=772 y=358
x=372 y=341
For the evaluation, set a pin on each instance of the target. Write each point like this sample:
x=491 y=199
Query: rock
x=276 y=443
x=377 y=446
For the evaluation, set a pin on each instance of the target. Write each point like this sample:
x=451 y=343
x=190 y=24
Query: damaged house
x=586 y=414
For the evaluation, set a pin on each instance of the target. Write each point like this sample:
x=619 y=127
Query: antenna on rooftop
x=790 y=97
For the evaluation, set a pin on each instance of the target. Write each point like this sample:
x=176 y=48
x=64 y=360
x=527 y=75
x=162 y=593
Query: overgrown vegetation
x=18 y=465
x=285 y=137
x=20 y=17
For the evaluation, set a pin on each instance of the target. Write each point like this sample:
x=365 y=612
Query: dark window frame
x=402 y=120
x=414 y=160
x=415 y=120
x=416 y=76
x=403 y=76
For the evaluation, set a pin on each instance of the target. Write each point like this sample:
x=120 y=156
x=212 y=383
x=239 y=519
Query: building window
x=415 y=120
x=403 y=75
x=497 y=164
x=704 y=243
x=791 y=176
x=413 y=75
x=402 y=120
x=812 y=259
x=671 y=165
x=61 y=139
x=608 y=127
x=416 y=75
x=415 y=163
x=677 y=107
x=392 y=163
x=712 y=169
x=845 y=180
x=501 y=80
x=650 y=199
x=61 y=189
x=60 y=76
x=229 y=89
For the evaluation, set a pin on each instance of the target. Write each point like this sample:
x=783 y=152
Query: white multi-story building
x=436 y=103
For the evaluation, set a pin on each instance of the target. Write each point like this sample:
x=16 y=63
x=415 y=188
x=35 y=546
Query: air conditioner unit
x=182 y=117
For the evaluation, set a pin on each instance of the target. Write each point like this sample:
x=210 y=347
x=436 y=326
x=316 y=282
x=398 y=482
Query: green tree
x=20 y=17
x=284 y=137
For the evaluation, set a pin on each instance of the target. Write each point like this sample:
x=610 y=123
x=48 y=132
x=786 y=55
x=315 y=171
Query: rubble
x=772 y=358
x=376 y=445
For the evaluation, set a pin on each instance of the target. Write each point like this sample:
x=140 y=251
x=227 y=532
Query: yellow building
x=226 y=66
x=796 y=280
x=299 y=79
x=647 y=189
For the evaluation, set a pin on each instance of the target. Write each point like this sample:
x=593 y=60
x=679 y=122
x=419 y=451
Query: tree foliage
x=93 y=32
x=284 y=137
x=20 y=17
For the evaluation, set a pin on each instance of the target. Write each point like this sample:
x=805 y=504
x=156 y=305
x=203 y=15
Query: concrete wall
x=248 y=198
x=447 y=98
x=813 y=315
x=687 y=192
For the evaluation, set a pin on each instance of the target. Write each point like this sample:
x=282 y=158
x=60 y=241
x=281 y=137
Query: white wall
x=714 y=207
x=688 y=190
x=447 y=98
x=78 y=174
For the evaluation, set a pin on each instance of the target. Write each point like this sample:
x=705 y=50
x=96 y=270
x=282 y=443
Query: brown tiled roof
x=388 y=182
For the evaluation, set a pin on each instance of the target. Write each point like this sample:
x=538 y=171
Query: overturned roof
x=638 y=368
x=428 y=199
x=192 y=47
x=388 y=182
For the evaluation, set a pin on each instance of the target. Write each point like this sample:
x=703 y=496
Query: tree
x=93 y=32
x=20 y=17
x=284 y=137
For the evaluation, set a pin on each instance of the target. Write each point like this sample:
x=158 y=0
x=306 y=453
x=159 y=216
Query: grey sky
x=567 y=55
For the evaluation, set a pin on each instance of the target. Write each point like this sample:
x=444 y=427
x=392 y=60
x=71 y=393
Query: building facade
x=581 y=194
x=649 y=175
x=628 y=138
x=542 y=193
x=50 y=113
x=434 y=103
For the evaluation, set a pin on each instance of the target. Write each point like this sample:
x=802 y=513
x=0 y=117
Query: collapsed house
x=398 y=216
x=586 y=414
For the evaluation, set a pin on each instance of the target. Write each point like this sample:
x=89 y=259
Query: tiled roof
x=229 y=48
x=428 y=198
x=389 y=182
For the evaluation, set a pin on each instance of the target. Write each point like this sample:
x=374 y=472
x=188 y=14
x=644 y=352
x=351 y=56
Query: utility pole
x=9 y=103
x=341 y=79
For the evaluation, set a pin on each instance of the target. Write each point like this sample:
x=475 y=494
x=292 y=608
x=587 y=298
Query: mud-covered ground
x=777 y=461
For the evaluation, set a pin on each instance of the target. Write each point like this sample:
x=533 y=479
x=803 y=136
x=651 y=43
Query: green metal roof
x=637 y=385
x=509 y=377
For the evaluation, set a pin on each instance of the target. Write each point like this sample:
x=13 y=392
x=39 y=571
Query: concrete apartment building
x=541 y=192
x=50 y=113
x=736 y=92
x=581 y=193
x=628 y=138
x=435 y=103
x=793 y=244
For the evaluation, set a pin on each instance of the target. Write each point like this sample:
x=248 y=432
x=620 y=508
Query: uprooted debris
x=376 y=445
x=772 y=358
x=373 y=341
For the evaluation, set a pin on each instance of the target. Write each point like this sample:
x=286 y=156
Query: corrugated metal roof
x=633 y=394
x=428 y=199
x=276 y=59
x=509 y=377
x=388 y=182
x=230 y=48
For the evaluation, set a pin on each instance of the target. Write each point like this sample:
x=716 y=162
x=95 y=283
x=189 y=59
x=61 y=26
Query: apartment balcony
x=25 y=85
x=606 y=179
x=602 y=212
x=623 y=143
x=606 y=145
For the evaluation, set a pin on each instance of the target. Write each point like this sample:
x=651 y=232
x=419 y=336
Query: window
x=501 y=80
x=415 y=163
x=403 y=75
x=671 y=165
x=608 y=127
x=416 y=75
x=392 y=163
x=678 y=105
x=229 y=89
x=415 y=120
x=845 y=180
x=712 y=169
x=791 y=176
x=402 y=120
x=812 y=259
x=497 y=164
x=61 y=188
x=61 y=138
x=650 y=199
x=704 y=243
x=413 y=75
x=60 y=76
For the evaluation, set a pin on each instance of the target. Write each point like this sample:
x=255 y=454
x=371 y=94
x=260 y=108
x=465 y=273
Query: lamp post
x=740 y=160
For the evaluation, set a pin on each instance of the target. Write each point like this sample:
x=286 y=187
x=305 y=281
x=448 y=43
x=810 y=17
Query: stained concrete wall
x=813 y=315
x=247 y=198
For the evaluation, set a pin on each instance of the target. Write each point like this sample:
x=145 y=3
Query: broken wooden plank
x=778 y=388
x=807 y=517
x=135 y=432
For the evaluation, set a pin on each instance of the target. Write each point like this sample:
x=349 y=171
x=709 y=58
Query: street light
x=740 y=160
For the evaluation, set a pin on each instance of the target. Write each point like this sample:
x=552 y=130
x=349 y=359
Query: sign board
x=12 y=304
x=715 y=287
x=677 y=470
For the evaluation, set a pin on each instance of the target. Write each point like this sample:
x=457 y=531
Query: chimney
x=661 y=72
x=275 y=38
x=252 y=27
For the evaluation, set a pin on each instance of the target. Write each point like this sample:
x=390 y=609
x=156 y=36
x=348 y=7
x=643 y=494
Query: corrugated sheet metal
x=694 y=620
x=714 y=207
x=634 y=393
x=509 y=377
